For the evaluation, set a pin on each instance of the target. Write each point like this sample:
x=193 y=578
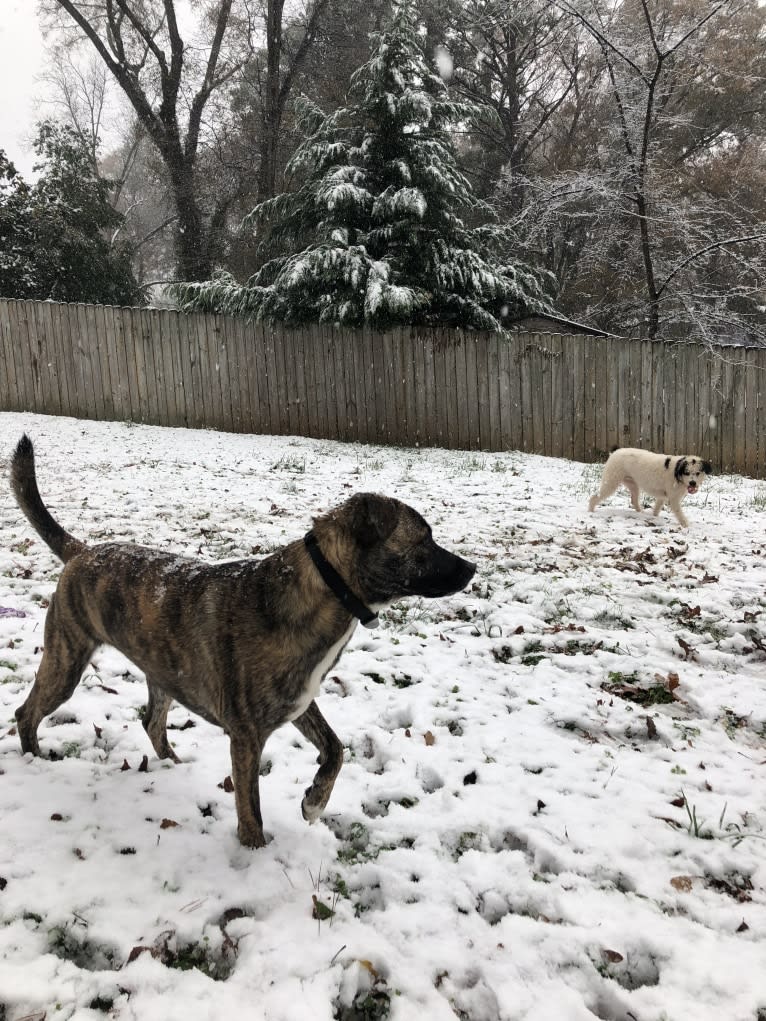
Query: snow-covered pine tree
x=373 y=232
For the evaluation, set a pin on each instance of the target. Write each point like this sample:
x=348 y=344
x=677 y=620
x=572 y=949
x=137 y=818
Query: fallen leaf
x=613 y=956
x=470 y=778
x=144 y=767
x=368 y=966
x=125 y=765
x=678 y=802
x=98 y=731
x=682 y=883
x=688 y=650
x=743 y=926
x=167 y=824
x=227 y=785
x=673 y=681
x=429 y=738
x=57 y=817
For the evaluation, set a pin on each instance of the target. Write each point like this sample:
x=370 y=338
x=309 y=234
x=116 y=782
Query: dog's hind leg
x=246 y=748
x=608 y=486
x=65 y=656
x=632 y=488
x=316 y=728
x=155 y=722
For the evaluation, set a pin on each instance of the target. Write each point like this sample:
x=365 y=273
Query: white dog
x=662 y=476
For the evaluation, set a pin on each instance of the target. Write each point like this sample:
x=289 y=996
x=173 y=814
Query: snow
x=502 y=842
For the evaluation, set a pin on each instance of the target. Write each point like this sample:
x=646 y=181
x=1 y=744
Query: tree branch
x=709 y=248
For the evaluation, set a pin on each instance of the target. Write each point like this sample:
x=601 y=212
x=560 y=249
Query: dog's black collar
x=339 y=588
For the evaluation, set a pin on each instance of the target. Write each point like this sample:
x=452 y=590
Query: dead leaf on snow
x=429 y=738
x=682 y=883
x=689 y=652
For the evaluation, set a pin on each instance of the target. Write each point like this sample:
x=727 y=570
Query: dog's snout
x=469 y=570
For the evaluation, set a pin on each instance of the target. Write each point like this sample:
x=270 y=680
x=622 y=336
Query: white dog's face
x=691 y=472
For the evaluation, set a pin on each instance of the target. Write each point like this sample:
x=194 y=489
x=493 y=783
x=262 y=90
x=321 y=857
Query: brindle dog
x=244 y=644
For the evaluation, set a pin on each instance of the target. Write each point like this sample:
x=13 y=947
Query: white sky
x=21 y=61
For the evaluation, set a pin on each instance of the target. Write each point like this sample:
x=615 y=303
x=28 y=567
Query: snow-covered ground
x=513 y=834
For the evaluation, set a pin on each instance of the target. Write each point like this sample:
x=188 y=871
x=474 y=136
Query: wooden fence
x=566 y=396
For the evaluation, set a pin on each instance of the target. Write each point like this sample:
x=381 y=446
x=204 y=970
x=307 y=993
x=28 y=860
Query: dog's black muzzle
x=445 y=574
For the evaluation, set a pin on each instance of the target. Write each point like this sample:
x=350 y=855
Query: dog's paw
x=310 y=812
x=251 y=836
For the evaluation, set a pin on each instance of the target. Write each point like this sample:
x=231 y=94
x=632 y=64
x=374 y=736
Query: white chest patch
x=314 y=679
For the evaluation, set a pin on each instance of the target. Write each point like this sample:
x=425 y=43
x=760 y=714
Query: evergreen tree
x=374 y=233
x=57 y=235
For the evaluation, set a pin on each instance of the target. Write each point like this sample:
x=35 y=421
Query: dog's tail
x=24 y=486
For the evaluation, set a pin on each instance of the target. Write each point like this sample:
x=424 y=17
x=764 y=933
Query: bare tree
x=653 y=205
x=644 y=48
x=78 y=93
x=519 y=59
x=169 y=84
x=284 y=57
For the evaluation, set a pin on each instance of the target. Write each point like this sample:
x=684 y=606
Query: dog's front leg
x=681 y=517
x=246 y=750
x=316 y=728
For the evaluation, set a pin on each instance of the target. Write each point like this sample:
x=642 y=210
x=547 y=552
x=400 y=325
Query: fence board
x=527 y=438
x=87 y=386
x=59 y=347
x=471 y=390
x=371 y=390
x=759 y=413
x=291 y=382
x=19 y=318
x=185 y=359
x=41 y=341
x=516 y=387
x=739 y=397
x=9 y=390
x=125 y=377
x=582 y=399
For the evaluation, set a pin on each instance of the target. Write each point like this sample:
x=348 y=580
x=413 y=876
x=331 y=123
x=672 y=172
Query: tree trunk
x=192 y=247
x=272 y=106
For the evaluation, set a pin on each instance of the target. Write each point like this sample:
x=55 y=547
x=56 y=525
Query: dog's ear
x=679 y=468
x=707 y=467
x=372 y=517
